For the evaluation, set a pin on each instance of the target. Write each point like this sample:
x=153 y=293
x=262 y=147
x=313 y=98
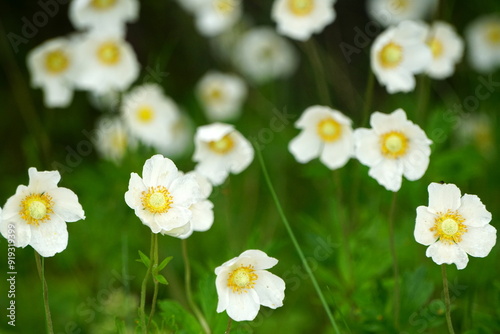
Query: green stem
x=40 y=265
x=295 y=242
x=228 y=328
x=395 y=266
x=189 y=294
x=447 y=299
x=423 y=99
x=321 y=84
x=370 y=85
x=142 y=312
x=154 y=258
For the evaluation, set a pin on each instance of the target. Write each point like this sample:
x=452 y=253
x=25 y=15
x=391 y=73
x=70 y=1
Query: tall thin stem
x=395 y=266
x=142 y=312
x=321 y=84
x=189 y=294
x=154 y=258
x=370 y=86
x=447 y=299
x=228 y=328
x=295 y=242
x=40 y=265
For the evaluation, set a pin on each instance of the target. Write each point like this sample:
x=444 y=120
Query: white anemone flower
x=106 y=62
x=38 y=213
x=393 y=147
x=299 y=19
x=220 y=150
x=447 y=49
x=213 y=17
x=112 y=138
x=263 y=55
x=327 y=134
x=398 y=54
x=162 y=197
x=392 y=12
x=454 y=226
x=243 y=284
x=108 y=16
x=52 y=68
x=483 y=41
x=221 y=95
x=150 y=115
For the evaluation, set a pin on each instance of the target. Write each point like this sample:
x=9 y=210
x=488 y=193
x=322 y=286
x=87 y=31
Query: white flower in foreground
x=220 y=150
x=112 y=139
x=39 y=212
x=483 y=43
x=52 y=68
x=327 y=134
x=221 y=95
x=393 y=147
x=106 y=62
x=454 y=226
x=398 y=54
x=299 y=19
x=150 y=115
x=163 y=196
x=243 y=284
x=392 y=12
x=263 y=55
x=213 y=17
x=447 y=49
x=103 y=15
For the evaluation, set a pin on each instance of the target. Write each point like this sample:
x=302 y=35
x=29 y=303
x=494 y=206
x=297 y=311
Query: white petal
x=66 y=205
x=258 y=259
x=175 y=217
x=203 y=215
x=214 y=170
x=478 y=241
x=42 y=181
x=443 y=197
x=185 y=190
x=223 y=290
x=474 y=211
x=19 y=231
x=243 y=306
x=270 y=289
x=159 y=170
x=388 y=173
x=305 y=147
x=336 y=154
x=415 y=163
x=367 y=147
x=135 y=188
x=424 y=222
x=182 y=232
x=49 y=238
x=383 y=123
x=442 y=252
x=243 y=154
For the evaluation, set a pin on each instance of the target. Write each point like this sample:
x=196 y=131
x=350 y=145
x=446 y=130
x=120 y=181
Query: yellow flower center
x=329 y=129
x=145 y=114
x=156 y=199
x=225 y=6
x=393 y=144
x=493 y=34
x=399 y=5
x=223 y=145
x=119 y=141
x=436 y=47
x=449 y=227
x=36 y=208
x=102 y=4
x=391 y=55
x=301 y=7
x=108 y=53
x=56 y=61
x=242 y=279
x=214 y=95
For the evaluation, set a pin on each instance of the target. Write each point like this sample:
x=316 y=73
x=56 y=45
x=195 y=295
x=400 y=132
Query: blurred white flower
x=447 y=49
x=190 y=6
x=221 y=95
x=299 y=19
x=150 y=115
x=392 y=12
x=263 y=55
x=220 y=150
x=327 y=134
x=52 y=68
x=39 y=212
x=213 y=17
x=103 y=16
x=182 y=132
x=112 y=138
x=393 y=147
x=478 y=130
x=163 y=196
x=105 y=62
x=398 y=53
x=483 y=43
x=454 y=226
x=243 y=284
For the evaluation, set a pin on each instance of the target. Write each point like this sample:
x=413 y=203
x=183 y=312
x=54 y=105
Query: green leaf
x=144 y=259
x=161 y=279
x=177 y=318
x=164 y=263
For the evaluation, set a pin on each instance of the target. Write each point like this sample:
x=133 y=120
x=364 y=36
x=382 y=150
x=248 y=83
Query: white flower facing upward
x=213 y=17
x=263 y=55
x=243 y=284
x=163 y=196
x=447 y=49
x=483 y=42
x=220 y=150
x=327 y=134
x=392 y=12
x=393 y=147
x=39 y=213
x=454 y=226
x=299 y=19
x=150 y=115
x=52 y=68
x=106 y=62
x=103 y=15
x=398 y=54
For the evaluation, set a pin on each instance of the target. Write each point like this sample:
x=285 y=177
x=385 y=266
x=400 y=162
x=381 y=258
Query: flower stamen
x=449 y=227
x=301 y=7
x=36 y=208
x=223 y=145
x=102 y=4
x=329 y=129
x=56 y=61
x=393 y=144
x=156 y=199
x=109 y=53
x=242 y=279
x=391 y=55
